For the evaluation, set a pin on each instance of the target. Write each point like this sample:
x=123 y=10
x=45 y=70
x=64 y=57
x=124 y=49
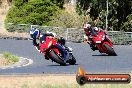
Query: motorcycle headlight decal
x=98 y=41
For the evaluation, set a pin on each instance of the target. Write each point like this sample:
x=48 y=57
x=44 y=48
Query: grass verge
x=7 y=59
x=50 y=81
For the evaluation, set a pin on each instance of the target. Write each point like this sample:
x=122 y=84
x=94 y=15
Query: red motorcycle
x=102 y=43
x=48 y=48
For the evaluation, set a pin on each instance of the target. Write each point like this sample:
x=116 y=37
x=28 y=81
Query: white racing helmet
x=51 y=33
x=34 y=33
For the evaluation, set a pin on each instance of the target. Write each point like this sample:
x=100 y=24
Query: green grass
x=6 y=55
x=10 y=57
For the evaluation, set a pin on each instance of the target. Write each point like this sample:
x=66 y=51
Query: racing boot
x=69 y=49
x=92 y=47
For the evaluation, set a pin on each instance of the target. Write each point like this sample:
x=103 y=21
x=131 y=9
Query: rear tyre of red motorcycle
x=111 y=51
x=56 y=58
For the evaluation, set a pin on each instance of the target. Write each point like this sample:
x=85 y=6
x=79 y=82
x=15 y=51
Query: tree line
x=38 y=12
x=51 y=13
x=119 y=16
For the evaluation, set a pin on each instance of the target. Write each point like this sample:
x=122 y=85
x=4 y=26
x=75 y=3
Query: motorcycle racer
x=98 y=40
x=39 y=37
x=89 y=30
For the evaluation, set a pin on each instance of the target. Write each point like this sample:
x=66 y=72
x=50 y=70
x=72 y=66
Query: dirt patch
x=14 y=34
x=50 y=81
x=14 y=62
x=3 y=11
x=69 y=8
x=4 y=62
x=34 y=81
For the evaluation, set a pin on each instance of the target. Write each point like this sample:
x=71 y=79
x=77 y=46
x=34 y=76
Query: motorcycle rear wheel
x=56 y=58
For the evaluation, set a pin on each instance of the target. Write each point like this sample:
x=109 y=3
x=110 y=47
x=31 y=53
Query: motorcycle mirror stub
x=83 y=78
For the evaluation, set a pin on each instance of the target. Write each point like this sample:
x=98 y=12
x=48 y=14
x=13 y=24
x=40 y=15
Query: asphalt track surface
x=91 y=61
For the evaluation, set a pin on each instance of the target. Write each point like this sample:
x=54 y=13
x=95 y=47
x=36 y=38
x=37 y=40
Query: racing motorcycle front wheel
x=72 y=60
x=111 y=51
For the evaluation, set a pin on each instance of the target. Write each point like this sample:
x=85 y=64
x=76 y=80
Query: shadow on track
x=56 y=65
x=101 y=55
